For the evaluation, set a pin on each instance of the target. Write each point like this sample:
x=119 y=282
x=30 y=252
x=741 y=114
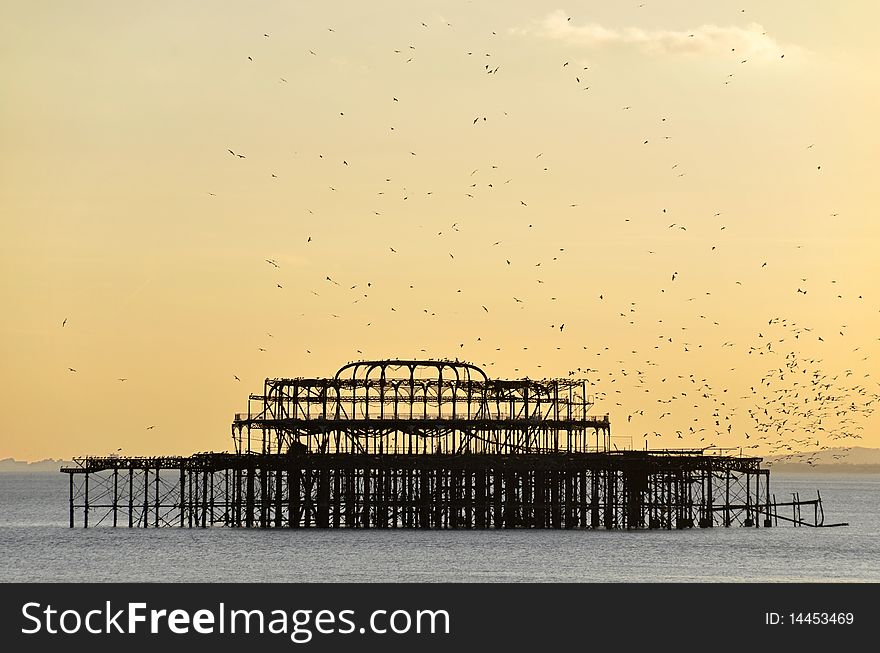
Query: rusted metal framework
x=612 y=490
x=427 y=444
x=420 y=406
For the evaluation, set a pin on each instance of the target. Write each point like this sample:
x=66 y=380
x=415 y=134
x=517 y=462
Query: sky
x=676 y=201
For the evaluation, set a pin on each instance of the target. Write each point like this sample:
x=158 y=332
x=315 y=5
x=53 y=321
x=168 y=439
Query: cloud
x=748 y=41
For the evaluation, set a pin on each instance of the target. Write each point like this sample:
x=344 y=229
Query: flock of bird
x=800 y=404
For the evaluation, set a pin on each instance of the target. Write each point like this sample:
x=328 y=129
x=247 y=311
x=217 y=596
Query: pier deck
x=628 y=489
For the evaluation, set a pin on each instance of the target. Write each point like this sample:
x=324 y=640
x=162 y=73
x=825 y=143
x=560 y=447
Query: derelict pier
x=427 y=444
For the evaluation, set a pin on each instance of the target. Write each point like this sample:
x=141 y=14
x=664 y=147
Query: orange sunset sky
x=690 y=188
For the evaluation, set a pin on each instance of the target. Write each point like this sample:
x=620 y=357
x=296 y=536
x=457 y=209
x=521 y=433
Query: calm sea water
x=36 y=545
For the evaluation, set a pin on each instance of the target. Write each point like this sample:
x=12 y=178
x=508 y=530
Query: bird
x=64 y=322
x=71 y=369
x=122 y=380
x=150 y=428
x=236 y=378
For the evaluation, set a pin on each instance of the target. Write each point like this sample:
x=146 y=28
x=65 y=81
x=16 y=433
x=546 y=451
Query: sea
x=36 y=545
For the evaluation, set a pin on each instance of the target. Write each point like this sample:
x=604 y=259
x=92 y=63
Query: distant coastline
x=47 y=465
x=835 y=468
